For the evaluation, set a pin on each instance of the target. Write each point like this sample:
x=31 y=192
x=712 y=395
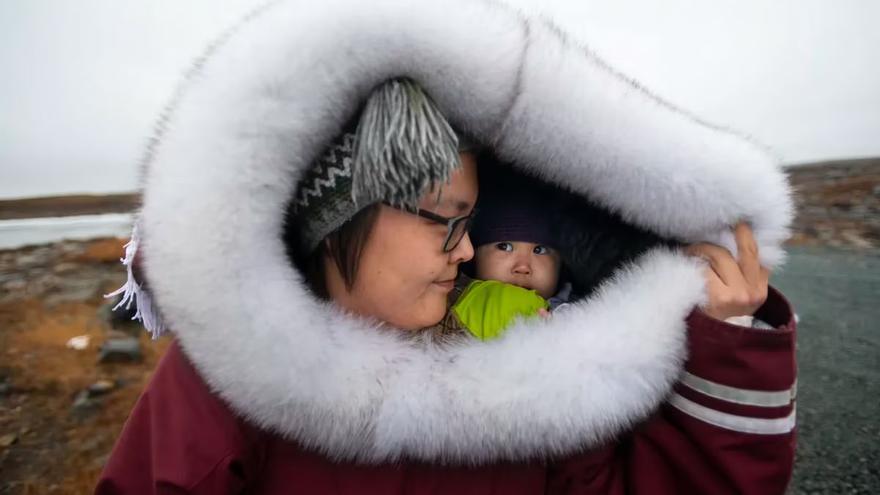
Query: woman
x=283 y=380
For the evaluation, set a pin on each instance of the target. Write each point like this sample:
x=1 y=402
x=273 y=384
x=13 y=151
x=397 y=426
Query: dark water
x=836 y=294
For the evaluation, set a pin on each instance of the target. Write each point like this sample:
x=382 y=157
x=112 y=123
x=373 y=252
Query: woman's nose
x=464 y=251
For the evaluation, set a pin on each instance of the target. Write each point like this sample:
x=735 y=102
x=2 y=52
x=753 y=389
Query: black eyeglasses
x=456 y=227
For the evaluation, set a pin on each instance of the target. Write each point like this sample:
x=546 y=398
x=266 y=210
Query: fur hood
x=266 y=99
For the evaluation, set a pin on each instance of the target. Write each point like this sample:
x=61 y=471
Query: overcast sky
x=83 y=80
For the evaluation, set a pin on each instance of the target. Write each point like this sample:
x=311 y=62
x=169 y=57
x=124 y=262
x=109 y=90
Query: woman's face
x=404 y=276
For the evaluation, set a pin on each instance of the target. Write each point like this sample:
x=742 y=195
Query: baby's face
x=528 y=265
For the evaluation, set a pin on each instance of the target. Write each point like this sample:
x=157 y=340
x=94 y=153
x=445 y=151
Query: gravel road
x=836 y=294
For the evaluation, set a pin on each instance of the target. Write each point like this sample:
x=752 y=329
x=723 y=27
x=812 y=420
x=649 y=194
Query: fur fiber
x=273 y=92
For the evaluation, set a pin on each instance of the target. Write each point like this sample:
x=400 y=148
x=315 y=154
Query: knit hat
x=513 y=207
x=401 y=146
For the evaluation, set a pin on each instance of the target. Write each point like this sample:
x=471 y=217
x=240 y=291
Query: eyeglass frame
x=449 y=222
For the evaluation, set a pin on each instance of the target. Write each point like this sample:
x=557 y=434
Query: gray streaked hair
x=403 y=146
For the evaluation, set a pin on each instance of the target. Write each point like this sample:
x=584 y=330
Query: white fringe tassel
x=132 y=292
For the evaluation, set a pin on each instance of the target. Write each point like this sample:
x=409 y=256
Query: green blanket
x=487 y=307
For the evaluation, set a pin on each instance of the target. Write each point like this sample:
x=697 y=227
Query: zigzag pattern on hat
x=335 y=163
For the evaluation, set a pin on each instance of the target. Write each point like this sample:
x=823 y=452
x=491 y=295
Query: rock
x=72 y=290
x=5 y=388
x=15 y=285
x=8 y=439
x=29 y=260
x=122 y=316
x=101 y=387
x=79 y=343
x=84 y=404
x=120 y=351
x=853 y=239
x=62 y=268
x=81 y=400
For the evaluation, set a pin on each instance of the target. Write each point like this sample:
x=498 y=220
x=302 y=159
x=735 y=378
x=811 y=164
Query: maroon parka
x=728 y=428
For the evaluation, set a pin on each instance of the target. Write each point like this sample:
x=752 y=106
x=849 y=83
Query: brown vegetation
x=838 y=204
x=58 y=442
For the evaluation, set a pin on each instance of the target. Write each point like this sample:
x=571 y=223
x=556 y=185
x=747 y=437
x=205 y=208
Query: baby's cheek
x=481 y=264
x=493 y=269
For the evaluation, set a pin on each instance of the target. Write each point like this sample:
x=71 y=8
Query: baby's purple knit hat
x=512 y=207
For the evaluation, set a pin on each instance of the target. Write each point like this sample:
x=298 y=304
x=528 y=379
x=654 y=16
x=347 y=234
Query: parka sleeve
x=727 y=428
x=179 y=439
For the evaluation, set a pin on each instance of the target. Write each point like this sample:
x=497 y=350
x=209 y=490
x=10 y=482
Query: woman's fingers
x=721 y=262
x=735 y=286
x=756 y=276
x=747 y=254
x=719 y=304
x=763 y=287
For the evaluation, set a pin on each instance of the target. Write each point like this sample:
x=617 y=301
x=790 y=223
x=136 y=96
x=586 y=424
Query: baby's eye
x=504 y=246
x=541 y=250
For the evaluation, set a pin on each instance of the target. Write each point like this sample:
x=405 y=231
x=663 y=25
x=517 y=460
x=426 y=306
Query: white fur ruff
x=275 y=90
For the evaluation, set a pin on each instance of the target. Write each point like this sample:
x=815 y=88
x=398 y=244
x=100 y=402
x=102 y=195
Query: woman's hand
x=736 y=287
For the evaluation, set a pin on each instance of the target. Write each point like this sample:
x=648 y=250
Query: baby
x=516 y=264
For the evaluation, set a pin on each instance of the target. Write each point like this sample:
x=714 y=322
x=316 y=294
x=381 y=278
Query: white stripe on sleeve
x=743 y=396
x=742 y=424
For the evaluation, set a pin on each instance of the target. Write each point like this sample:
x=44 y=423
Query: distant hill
x=66 y=206
x=838 y=203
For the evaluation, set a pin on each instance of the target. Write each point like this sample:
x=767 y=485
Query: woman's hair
x=343 y=247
